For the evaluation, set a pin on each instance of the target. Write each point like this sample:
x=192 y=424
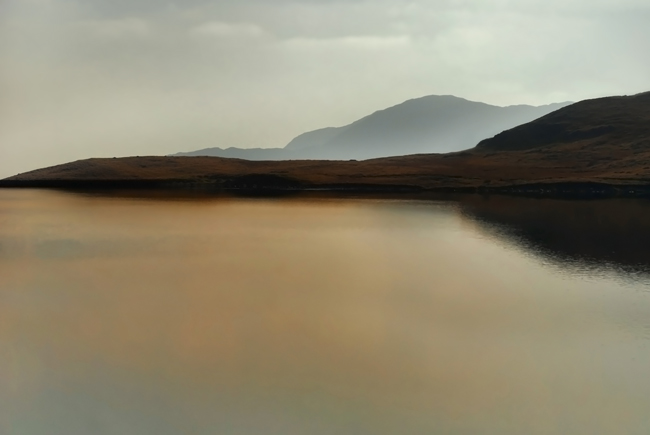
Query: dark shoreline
x=237 y=186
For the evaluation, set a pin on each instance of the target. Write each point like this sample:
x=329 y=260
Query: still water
x=126 y=314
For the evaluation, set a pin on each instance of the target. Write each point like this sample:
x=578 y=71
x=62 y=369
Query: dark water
x=132 y=315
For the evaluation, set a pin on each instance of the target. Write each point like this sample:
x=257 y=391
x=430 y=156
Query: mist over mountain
x=431 y=124
x=315 y=138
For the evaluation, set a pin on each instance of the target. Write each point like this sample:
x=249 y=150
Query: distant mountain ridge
x=431 y=124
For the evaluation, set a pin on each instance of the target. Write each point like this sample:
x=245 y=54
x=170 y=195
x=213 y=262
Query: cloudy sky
x=83 y=78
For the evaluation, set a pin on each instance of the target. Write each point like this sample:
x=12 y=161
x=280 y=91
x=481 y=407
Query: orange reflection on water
x=405 y=312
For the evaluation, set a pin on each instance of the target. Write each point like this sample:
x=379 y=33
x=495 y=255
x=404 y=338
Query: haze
x=141 y=77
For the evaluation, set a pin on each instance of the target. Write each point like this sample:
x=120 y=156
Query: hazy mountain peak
x=428 y=124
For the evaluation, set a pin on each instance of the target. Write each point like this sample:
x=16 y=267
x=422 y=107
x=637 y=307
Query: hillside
x=592 y=146
x=612 y=121
x=432 y=124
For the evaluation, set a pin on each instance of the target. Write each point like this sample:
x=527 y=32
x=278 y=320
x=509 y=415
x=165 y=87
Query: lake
x=127 y=313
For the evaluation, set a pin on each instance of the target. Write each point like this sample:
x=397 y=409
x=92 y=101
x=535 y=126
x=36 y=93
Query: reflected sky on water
x=130 y=315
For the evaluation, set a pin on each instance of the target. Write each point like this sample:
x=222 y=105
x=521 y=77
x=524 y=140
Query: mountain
x=622 y=122
x=432 y=124
x=315 y=138
x=594 y=147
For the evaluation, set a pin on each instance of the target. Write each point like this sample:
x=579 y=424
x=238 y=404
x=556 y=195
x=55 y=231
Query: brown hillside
x=611 y=121
x=603 y=141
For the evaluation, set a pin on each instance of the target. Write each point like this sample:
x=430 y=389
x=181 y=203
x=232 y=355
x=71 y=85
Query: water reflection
x=590 y=234
x=120 y=315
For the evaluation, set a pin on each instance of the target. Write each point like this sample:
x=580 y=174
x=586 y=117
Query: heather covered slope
x=615 y=122
x=470 y=169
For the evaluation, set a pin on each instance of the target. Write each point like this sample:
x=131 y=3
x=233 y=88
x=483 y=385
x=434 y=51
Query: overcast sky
x=84 y=78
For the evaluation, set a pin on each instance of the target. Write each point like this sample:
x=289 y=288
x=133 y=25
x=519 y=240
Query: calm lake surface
x=126 y=314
